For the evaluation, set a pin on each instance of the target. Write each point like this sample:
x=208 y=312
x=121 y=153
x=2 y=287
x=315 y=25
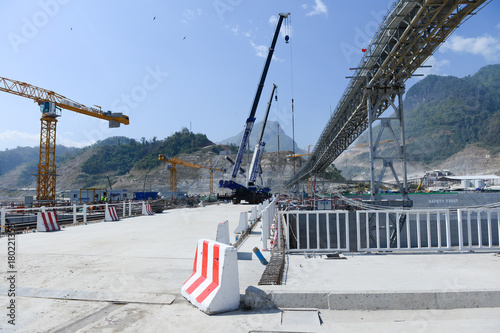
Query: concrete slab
x=126 y=276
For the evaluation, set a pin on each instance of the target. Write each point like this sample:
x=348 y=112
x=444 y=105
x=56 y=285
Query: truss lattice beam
x=410 y=33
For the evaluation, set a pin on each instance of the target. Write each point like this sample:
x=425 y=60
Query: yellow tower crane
x=173 y=170
x=300 y=155
x=51 y=104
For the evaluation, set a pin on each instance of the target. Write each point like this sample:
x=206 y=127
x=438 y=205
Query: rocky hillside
x=451 y=123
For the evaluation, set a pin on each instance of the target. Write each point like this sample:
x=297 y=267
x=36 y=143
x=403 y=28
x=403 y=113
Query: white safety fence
x=74 y=213
x=268 y=216
x=428 y=230
x=315 y=231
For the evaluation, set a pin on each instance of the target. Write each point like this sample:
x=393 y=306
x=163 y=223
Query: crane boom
x=259 y=147
x=41 y=95
x=251 y=119
x=51 y=104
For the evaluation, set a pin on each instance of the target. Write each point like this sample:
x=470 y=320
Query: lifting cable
x=288 y=30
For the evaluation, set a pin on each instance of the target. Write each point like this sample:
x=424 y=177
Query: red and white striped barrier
x=213 y=287
x=146 y=209
x=111 y=214
x=47 y=221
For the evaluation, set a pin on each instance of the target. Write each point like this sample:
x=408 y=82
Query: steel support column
x=378 y=97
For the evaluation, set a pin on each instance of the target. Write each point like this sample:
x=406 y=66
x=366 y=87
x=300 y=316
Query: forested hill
x=444 y=114
x=120 y=156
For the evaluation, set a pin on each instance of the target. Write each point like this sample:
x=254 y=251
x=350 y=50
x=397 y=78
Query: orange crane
x=51 y=105
x=173 y=170
x=300 y=155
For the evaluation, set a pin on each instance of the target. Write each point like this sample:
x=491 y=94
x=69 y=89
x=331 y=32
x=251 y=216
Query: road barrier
x=71 y=214
x=243 y=223
x=223 y=232
x=47 y=221
x=213 y=287
x=111 y=214
x=146 y=209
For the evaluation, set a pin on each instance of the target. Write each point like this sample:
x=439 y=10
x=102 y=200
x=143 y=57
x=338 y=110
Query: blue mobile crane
x=252 y=193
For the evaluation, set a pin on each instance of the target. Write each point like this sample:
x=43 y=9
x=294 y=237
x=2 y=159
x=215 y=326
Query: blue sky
x=197 y=63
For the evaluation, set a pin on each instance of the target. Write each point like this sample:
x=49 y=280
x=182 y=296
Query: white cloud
x=12 y=139
x=498 y=26
x=71 y=143
x=190 y=15
x=262 y=51
x=486 y=46
x=234 y=29
x=319 y=8
x=437 y=66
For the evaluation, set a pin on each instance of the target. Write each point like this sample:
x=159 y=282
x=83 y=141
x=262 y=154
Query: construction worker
x=104 y=198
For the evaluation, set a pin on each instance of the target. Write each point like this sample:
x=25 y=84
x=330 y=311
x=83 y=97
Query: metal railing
x=428 y=230
x=25 y=218
x=319 y=231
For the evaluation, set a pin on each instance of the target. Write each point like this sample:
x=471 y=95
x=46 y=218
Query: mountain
x=445 y=114
x=270 y=138
x=445 y=117
x=26 y=159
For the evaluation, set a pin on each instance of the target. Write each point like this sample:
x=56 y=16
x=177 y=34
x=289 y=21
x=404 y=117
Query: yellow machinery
x=300 y=155
x=51 y=104
x=173 y=170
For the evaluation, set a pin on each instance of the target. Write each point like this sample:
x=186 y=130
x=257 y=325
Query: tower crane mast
x=51 y=104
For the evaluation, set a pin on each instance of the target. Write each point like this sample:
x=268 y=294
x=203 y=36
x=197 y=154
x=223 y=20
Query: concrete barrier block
x=214 y=286
x=111 y=214
x=223 y=232
x=243 y=223
x=146 y=209
x=47 y=221
x=253 y=214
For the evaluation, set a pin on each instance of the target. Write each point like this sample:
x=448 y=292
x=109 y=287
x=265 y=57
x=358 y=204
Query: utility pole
x=293 y=135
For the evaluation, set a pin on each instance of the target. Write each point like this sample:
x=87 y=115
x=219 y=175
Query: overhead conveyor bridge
x=409 y=34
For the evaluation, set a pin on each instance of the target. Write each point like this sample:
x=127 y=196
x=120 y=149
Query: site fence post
x=358 y=229
x=124 y=209
x=84 y=213
x=2 y=218
x=74 y=213
x=279 y=229
x=460 y=230
x=130 y=208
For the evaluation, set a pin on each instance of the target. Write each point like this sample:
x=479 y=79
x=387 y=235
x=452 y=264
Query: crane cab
x=50 y=109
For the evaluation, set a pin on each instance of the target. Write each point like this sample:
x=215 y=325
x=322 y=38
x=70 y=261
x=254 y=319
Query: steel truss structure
x=409 y=34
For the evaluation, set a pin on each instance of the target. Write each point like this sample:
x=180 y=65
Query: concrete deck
x=127 y=275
